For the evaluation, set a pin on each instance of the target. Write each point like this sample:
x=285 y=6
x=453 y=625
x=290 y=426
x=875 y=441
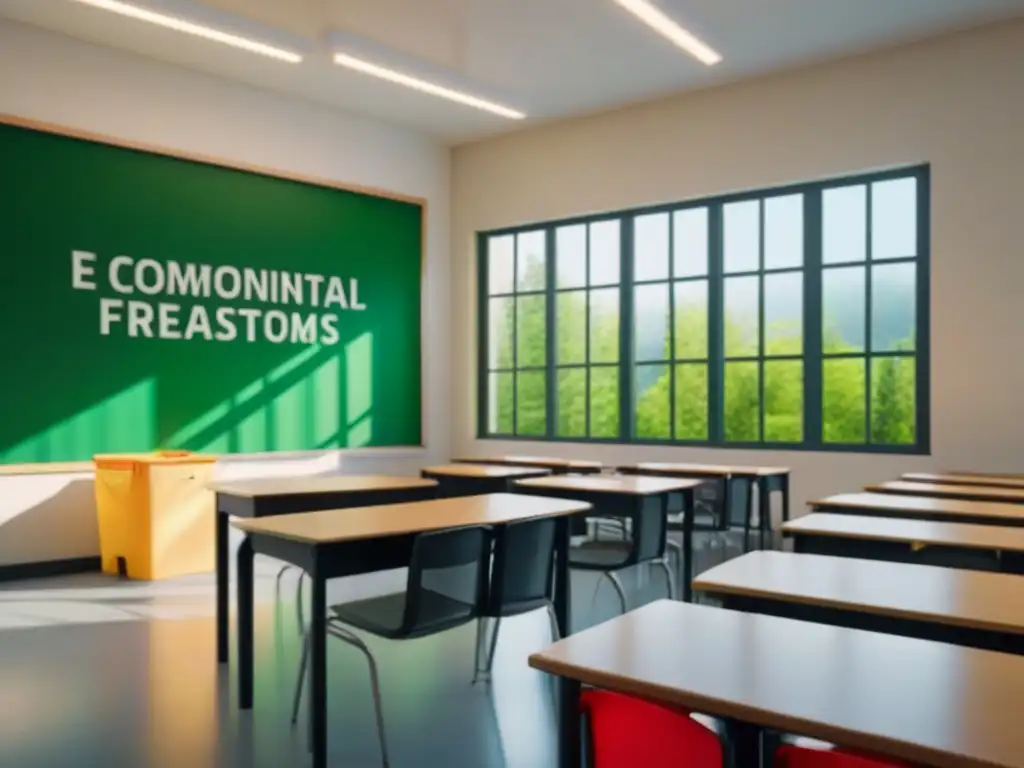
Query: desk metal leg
x=743 y=745
x=689 y=510
x=569 y=753
x=764 y=509
x=318 y=667
x=785 y=499
x=223 y=577
x=563 y=585
x=244 y=598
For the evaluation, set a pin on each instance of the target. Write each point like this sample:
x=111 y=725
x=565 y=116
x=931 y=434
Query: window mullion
x=716 y=327
x=626 y=324
x=868 y=343
x=550 y=376
x=922 y=342
x=762 y=352
x=483 y=327
x=813 y=276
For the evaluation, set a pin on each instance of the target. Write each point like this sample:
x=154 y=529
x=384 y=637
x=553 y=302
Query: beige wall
x=956 y=102
x=56 y=79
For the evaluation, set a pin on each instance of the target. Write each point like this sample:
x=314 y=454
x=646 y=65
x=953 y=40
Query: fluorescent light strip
x=663 y=25
x=179 y=25
x=359 y=65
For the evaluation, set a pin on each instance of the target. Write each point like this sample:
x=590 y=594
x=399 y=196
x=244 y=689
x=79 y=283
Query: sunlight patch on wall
x=359 y=390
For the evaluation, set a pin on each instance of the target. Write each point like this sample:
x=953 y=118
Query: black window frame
x=812 y=355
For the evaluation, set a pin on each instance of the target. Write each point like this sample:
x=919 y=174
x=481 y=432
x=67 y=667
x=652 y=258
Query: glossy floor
x=100 y=672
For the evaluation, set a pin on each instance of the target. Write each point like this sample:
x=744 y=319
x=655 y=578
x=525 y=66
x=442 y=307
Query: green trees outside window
x=791 y=318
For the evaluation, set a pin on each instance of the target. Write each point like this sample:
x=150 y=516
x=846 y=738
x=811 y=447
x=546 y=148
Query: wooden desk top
x=907 y=530
x=976 y=492
x=337 y=525
x=975 y=473
x=704 y=470
x=288 y=486
x=632 y=485
x=485 y=470
x=931 y=703
x=548 y=462
x=47 y=468
x=952 y=478
x=976 y=599
x=921 y=505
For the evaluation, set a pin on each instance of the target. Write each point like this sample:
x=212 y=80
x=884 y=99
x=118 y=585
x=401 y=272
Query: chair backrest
x=523 y=565
x=650 y=528
x=447 y=580
x=623 y=732
x=740 y=498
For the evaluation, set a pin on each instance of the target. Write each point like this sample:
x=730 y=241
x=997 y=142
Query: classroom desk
x=965 y=492
x=766 y=480
x=334 y=543
x=972 y=608
x=953 y=545
x=958 y=478
x=470 y=479
x=262 y=497
x=623 y=495
x=928 y=703
x=556 y=466
x=922 y=508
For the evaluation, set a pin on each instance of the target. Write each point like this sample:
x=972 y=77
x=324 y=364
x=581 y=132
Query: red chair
x=802 y=757
x=627 y=733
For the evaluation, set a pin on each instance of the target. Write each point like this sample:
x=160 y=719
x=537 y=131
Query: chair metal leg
x=299 y=603
x=343 y=634
x=671 y=578
x=277 y=582
x=302 y=679
x=617 y=583
x=494 y=644
x=555 y=634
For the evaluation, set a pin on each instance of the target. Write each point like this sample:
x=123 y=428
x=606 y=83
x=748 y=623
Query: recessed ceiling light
x=360 y=65
x=656 y=19
x=180 y=25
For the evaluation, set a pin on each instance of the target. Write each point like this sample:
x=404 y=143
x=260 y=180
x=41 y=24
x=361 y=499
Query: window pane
x=742 y=225
x=571 y=255
x=499 y=403
x=571 y=326
x=605 y=240
x=690 y=242
x=652 y=408
x=531 y=409
x=894 y=219
x=783 y=401
x=604 y=325
x=499 y=334
x=842 y=309
x=893 y=306
x=784 y=314
x=843 y=401
x=742 y=401
x=604 y=401
x=742 y=316
x=784 y=231
x=892 y=400
x=650 y=247
x=530 y=259
x=500 y=263
x=691 y=326
x=530 y=331
x=691 y=402
x=650 y=306
x=572 y=403
x=844 y=224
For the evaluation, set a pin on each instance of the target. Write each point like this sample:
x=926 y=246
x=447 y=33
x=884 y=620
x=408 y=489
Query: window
x=794 y=317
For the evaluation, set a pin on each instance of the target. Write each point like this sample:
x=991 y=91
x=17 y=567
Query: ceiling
x=548 y=58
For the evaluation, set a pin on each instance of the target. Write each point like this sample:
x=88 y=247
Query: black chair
x=446 y=588
x=521 y=581
x=647 y=542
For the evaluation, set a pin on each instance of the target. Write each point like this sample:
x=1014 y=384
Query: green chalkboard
x=154 y=301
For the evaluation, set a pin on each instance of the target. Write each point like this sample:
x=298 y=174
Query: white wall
x=956 y=102
x=57 y=79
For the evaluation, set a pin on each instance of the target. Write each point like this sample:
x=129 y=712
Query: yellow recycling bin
x=155 y=513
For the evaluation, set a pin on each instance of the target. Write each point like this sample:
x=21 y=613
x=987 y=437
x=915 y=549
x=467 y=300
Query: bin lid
x=156 y=457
